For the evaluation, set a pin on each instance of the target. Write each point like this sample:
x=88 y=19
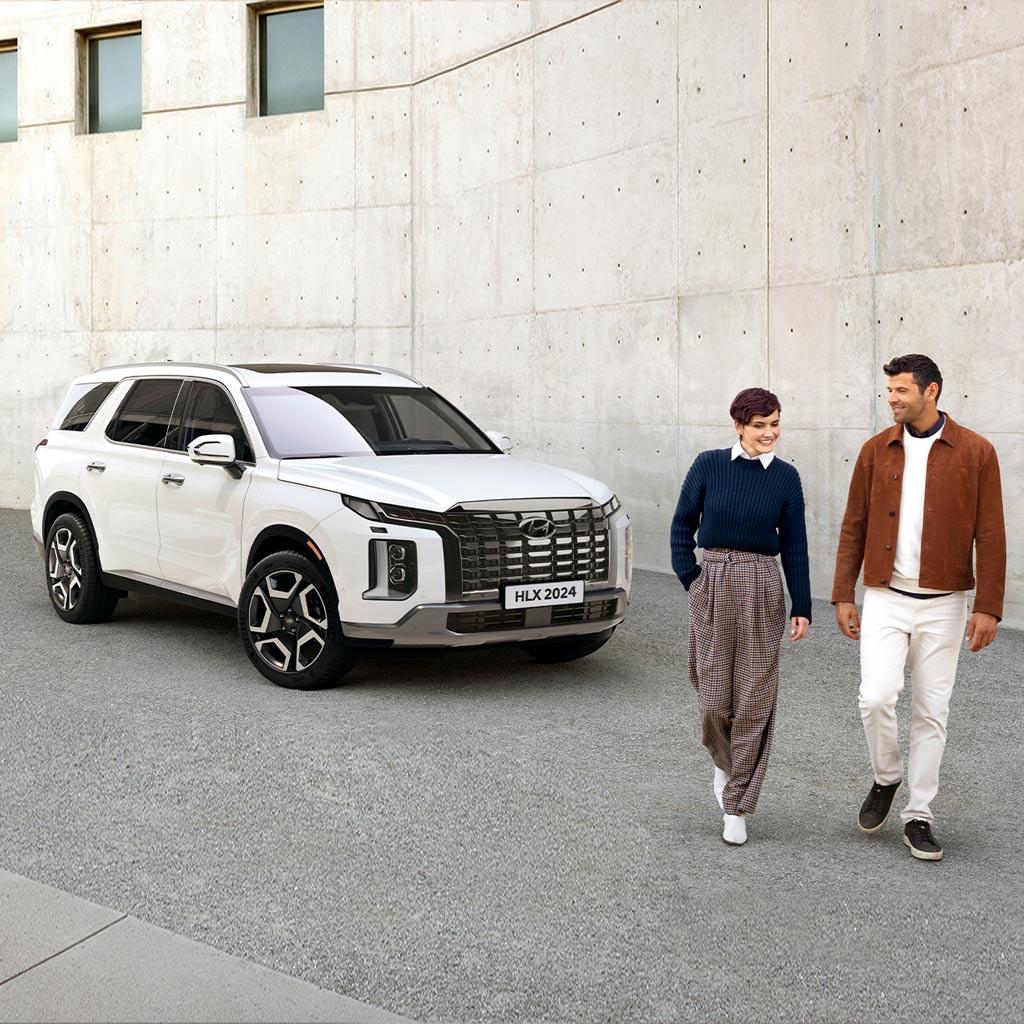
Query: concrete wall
x=589 y=224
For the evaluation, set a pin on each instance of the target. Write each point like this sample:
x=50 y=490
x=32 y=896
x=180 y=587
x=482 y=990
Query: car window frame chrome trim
x=186 y=383
x=234 y=406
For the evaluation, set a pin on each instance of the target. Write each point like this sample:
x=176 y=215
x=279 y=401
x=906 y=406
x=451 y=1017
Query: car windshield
x=320 y=422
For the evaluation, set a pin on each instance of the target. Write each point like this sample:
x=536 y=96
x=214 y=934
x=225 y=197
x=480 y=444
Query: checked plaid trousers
x=737 y=620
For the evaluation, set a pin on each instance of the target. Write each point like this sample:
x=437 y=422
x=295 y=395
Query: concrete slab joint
x=63 y=958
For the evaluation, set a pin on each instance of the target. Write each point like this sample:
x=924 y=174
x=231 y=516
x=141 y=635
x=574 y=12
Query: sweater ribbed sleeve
x=793 y=546
x=742 y=505
x=689 y=509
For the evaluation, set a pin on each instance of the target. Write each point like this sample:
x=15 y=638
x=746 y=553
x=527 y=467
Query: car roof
x=261 y=374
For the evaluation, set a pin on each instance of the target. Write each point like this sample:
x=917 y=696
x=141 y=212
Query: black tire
x=568 y=649
x=290 y=626
x=72 y=571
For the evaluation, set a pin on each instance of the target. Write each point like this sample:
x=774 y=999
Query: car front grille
x=494 y=550
x=496 y=619
x=485 y=622
x=592 y=611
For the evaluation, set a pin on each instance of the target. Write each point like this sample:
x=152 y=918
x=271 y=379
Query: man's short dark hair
x=753 y=402
x=924 y=370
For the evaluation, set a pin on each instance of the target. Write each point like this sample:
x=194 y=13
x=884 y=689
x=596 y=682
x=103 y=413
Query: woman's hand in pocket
x=798 y=627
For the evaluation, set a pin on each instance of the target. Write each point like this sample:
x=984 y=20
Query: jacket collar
x=950 y=433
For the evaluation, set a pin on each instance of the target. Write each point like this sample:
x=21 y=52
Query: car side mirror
x=503 y=441
x=213 y=450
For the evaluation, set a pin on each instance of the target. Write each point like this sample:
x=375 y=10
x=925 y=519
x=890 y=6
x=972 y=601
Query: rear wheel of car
x=73 y=581
x=289 y=621
x=569 y=648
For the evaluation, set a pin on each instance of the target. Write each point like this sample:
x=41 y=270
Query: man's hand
x=848 y=620
x=981 y=630
x=798 y=627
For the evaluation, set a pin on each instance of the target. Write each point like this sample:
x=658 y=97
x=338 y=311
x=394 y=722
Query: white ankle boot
x=735 y=830
x=720 y=780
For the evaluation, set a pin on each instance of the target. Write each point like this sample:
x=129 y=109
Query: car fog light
x=392 y=570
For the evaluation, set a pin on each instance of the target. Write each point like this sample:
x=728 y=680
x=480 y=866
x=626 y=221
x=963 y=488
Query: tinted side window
x=210 y=412
x=85 y=404
x=145 y=414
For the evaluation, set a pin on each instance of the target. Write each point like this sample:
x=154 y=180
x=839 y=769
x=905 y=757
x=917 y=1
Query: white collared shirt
x=764 y=458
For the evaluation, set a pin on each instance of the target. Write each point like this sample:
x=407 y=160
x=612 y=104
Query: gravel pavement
x=478 y=837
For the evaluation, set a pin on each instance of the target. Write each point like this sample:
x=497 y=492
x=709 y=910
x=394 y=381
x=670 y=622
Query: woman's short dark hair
x=753 y=402
x=924 y=370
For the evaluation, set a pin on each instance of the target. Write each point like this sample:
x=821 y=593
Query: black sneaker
x=923 y=845
x=874 y=812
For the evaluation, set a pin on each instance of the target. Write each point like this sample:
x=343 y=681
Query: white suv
x=329 y=508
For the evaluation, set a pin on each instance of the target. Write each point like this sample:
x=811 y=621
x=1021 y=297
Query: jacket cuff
x=843 y=595
x=800 y=613
x=996 y=611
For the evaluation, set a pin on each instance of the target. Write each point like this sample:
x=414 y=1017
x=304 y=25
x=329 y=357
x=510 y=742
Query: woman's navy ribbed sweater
x=740 y=504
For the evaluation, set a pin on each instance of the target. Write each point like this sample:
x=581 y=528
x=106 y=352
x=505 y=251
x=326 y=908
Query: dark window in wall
x=8 y=92
x=115 y=82
x=291 y=60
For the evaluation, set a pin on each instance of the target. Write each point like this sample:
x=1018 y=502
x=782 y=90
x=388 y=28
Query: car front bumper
x=474 y=623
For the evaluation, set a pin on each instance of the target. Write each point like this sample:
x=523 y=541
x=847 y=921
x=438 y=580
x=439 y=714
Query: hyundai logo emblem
x=537 y=529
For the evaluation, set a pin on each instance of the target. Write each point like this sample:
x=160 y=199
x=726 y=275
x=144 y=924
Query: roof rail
x=386 y=369
x=174 y=365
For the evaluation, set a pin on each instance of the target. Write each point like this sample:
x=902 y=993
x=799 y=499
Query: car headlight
x=611 y=506
x=362 y=507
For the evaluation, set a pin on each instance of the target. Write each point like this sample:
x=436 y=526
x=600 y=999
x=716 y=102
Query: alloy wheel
x=64 y=569
x=287 y=621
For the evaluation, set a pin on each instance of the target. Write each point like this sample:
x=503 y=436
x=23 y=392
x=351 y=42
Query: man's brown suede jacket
x=963 y=507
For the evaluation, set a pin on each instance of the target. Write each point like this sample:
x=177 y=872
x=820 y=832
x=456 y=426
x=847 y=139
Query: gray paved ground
x=478 y=837
x=63 y=958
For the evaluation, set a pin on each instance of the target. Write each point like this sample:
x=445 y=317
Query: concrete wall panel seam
x=155 y=111
x=414 y=305
x=873 y=188
x=945 y=65
x=416 y=81
x=44 y=124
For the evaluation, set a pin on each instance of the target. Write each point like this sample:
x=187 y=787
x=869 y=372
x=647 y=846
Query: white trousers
x=929 y=633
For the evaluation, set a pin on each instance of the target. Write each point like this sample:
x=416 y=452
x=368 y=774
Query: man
x=924 y=493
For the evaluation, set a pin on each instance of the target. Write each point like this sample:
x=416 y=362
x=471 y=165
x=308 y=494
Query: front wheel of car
x=567 y=649
x=290 y=625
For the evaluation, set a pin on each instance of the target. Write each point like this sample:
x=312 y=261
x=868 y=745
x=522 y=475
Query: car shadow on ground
x=479 y=669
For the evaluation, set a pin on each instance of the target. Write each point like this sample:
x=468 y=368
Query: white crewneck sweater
x=907 y=564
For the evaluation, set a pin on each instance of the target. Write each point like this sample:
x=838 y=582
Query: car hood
x=437 y=482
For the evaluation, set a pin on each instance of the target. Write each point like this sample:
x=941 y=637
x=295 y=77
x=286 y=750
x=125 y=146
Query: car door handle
x=97 y=467
x=173 y=478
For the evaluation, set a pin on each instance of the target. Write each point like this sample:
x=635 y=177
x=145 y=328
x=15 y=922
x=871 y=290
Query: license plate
x=538 y=595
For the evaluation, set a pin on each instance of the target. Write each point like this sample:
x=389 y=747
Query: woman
x=748 y=507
